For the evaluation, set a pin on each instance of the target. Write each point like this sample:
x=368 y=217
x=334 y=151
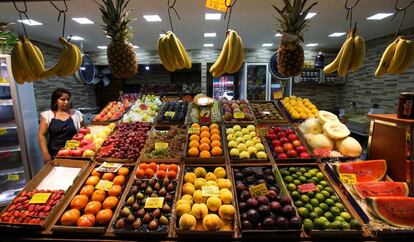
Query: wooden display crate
x=270 y=121
x=167 y=124
x=235 y=121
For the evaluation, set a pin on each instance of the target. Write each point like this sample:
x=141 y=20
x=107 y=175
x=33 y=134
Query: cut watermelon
x=365 y=171
x=397 y=211
x=377 y=189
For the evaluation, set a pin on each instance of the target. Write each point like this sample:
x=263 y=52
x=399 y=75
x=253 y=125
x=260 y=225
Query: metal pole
x=411 y=160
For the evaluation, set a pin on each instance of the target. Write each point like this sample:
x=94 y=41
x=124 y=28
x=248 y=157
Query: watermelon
x=376 y=189
x=397 y=211
x=365 y=171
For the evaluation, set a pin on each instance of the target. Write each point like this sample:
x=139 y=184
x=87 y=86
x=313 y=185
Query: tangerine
x=98 y=195
x=205 y=134
x=194 y=137
x=143 y=166
x=205 y=154
x=173 y=167
x=139 y=173
x=92 y=180
x=104 y=216
x=87 y=220
x=153 y=166
x=214 y=126
x=163 y=167
x=123 y=171
x=205 y=141
x=215 y=137
x=119 y=180
x=193 y=151
x=171 y=175
x=110 y=202
x=204 y=146
x=70 y=217
x=96 y=173
x=216 y=151
x=214 y=131
x=195 y=125
x=79 y=201
x=87 y=190
x=194 y=144
x=108 y=176
x=149 y=173
x=115 y=190
x=215 y=143
x=93 y=207
x=204 y=128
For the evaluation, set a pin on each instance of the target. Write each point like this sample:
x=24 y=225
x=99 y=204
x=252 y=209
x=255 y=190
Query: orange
x=153 y=166
x=110 y=202
x=205 y=154
x=214 y=131
x=108 y=176
x=215 y=137
x=216 y=151
x=195 y=125
x=173 y=167
x=205 y=134
x=96 y=173
x=204 y=128
x=79 y=201
x=92 y=180
x=104 y=216
x=87 y=220
x=163 y=167
x=115 y=190
x=215 y=143
x=193 y=151
x=139 y=173
x=205 y=141
x=143 y=166
x=70 y=217
x=87 y=190
x=123 y=171
x=194 y=137
x=204 y=146
x=194 y=144
x=93 y=207
x=214 y=126
x=119 y=180
x=98 y=195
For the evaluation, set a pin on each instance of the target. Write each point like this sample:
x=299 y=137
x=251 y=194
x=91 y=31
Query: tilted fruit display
x=317 y=202
x=245 y=143
x=143 y=110
x=204 y=113
x=284 y=143
x=121 y=54
x=206 y=201
x=365 y=171
x=231 y=56
x=270 y=211
x=206 y=142
x=267 y=112
x=22 y=211
x=172 y=113
x=380 y=189
x=164 y=144
x=172 y=53
x=299 y=108
x=161 y=172
x=236 y=110
x=112 y=112
x=292 y=24
x=126 y=142
x=397 y=211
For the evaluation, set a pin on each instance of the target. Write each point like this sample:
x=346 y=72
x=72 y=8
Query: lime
x=309 y=207
x=325 y=193
x=339 y=218
x=313 y=215
x=299 y=203
x=320 y=187
x=307 y=220
x=335 y=198
x=324 y=206
x=292 y=187
x=288 y=179
x=310 y=181
x=320 y=197
x=330 y=202
x=302 y=179
x=329 y=216
x=345 y=225
x=307 y=175
x=315 y=180
x=318 y=211
x=328 y=189
x=298 y=173
x=335 y=211
x=336 y=224
x=324 y=183
x=328 y=225
x=318 y=223
x=295 y=195
x=284 y=172
x=314 y=202
x=340 y=206
x=319 y=175
x=294 y=176
x=292 y=169
x=303 y=170
x=304 y=198
x=346 y=216
x=303 y=212
x=310 y=194
x=324 y=219
x=313 y=172
x=297 y=182
x=355 y=224
x=307 y=226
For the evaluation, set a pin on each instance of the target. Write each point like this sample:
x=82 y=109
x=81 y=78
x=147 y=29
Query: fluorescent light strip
x=267 y=44
x=312 y=44
x=208 y=45
x=83 y=20
x=379 y=16
x=75 y=37
x=278 y=35
x=136 y=47
x=310 y=15
x=152 y=18
x=102 y=47
x=210 y=35
x=29 y=22
x=213 y=16
x=337 y=34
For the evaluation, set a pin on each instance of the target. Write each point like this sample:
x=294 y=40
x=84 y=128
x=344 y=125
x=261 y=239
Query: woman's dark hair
x=57 y=93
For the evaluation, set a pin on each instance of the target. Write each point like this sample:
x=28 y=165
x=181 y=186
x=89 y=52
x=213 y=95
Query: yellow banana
x=399 y=56
x=186 y=57
x=168 y=52
x=39 y=54
x=175 y=48
x=52 y=71
x=409 y=58
x=34 y=60
x=386 y=58
x=218 y=66
x=333 y=66
x=71 y=61
x=358 y=54
x=22 y=60
x=79 y=58
x=161 y=53
x=239 y=56
x=343 y=65
x=232 y=52
x=18 y=73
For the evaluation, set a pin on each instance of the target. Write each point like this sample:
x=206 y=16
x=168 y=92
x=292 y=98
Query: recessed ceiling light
x=208 y=45
x=30 y=22
x=379 y=16
x=278 y=35
x=310 y=15
x=152 y=18
x=312 y=44
x=83 y=20
x=213 y=16
x=210 y=35
x=147 y=68
x=75 y=37
x=102 y=47
x=267 y=44
x=136 y=47
x=337 y=34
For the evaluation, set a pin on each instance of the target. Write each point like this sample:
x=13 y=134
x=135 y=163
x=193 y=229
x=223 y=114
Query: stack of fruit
x=166 y=99
x=164 y=144
x=152 y=170
x=205 y=141
x=298 y=108
x=112 y=112
x=143 y=110
x=94 y=206
x=128 y=98
x=126 y=143
x=172 y=53
x=212 y=112
x=137 y=214
x=206 y=201
x=236 y=110
x=284 y=143
x=267 y=112
x=397 y=57
x=268 y=210
x=245 y=143
x=173 y=113
x=22 y=211
x=317 y=203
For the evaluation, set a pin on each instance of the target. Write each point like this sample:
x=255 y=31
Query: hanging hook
x=62 y=11
x=172 y=6
x=24 y=12
x=349 y=12
x=229 y=8
x=397 y=11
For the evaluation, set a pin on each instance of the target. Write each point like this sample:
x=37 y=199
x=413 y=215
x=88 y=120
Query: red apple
x=63 y=153
x=300 y=149
x=85 y=142
x=270 y=131
x=282 y=156
x=272 y=136
x=84 y=130
x=277 y=129
x=281 y=134
x=78 y=136
x=76 y=152
x=276 y=142
x=278 y=149
x=292 y=153
x=304 y=155
x=287 y=146
x=292 y=137
x=284 y=140
x=290 y=131
x=296 y=143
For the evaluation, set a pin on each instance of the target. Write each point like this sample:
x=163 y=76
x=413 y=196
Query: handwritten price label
x=40 y=198
x=308 y=187
x=193 y=130
x=3 y=131
x=161 y=146
x=217 y=4
x=72 y=144
x=13 y=177
x=104 y=185
x=109 y=167
x=210 y=191
x=154 y=202
x=238 y=115
x=169 y=114
x=348 y=178
x=258 y=190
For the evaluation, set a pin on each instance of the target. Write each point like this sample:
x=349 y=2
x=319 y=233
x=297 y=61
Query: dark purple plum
x=272 y=195
x=238 y=176
x=250 y=180
x=269 y=223
x=262 y=200
x=252 y=202
x=246 y=225
x=288 y=211
x=295 y=222
x=253 y=216
x=247 y=171
x=244 y=195
x=243 y=206
x=285 y=200
x=282 y=223
x=275 y=207
x=264 y=210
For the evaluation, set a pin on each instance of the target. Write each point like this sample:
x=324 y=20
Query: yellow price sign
x=40 y=197
x=210 y=191
x=217 y=4
x=169 y=114
x=72 y=144
x=104 y=185
x=348 y=178
x=238 y=115
x=154 y=202
x=161 y=146
x=258 y=190
x=193 y=130
x=13 y=177
x=3 y=131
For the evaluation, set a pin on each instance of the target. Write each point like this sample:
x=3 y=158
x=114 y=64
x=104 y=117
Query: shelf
x=12 y=148
x=6 y=102
x=12 y=171
x=4 y=84
x=8 y=125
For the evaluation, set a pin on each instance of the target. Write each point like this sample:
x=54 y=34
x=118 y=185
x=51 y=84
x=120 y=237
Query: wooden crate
x=235 y=121
x=270 y=121
x=166 y=124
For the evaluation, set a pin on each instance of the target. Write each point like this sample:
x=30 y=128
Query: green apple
x=259 y=146
x=236 y=127
x=246 y=137
x=238 y=134
x=245 y=131
x=242 y=147
x=244 y=155
x=231 y=137
x=239 y=140
x=251 y=127
x=229 y=131
x=261 y=155
x=252 y=150
x=232 y=144
x=252 y=134
x=256 y=140
x=234 y=152
x=249 y=143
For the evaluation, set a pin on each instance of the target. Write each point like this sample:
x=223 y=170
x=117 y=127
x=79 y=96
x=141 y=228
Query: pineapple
x=120 y=53
x=290 y=59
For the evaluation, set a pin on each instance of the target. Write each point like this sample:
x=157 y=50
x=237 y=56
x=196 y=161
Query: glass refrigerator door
x=279 y=88
x=256 y=79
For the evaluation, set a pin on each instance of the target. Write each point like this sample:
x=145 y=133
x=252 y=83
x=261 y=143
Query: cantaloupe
x=349 y=147
x=311 y=126
x=321 y=141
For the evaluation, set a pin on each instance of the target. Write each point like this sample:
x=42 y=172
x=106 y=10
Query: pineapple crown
x=292 y=17
x=115 y=17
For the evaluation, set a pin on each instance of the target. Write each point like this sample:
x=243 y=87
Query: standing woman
x=58 y=124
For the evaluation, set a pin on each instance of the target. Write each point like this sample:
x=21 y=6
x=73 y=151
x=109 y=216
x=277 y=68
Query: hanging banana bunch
x=231 y=56
x=172 y=53
x=350 y=57
x=397 y=57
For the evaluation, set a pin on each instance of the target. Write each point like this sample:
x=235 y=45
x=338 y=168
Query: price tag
x=72 y=144
x=210 y=191
x=161 y=146
x=3 y=131
x=109 y=167
x=104 y=185
x=308 y=187
x=238 y=115
x=40 y=197
x=13 y=177
x=348 y=178
x=258 y=190
x=154 y=202
x=169 y=114
x=217 y=4
x=193 y=130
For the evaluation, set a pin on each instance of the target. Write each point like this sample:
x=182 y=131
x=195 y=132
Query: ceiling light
x=75 y=37
x=379 y=16
x=337 y=34
x=312 y=44
x=213 y=16
x=147 y=68
x=267 y=44
x=83 y=20
x=310 y=15
x=102 y=47
x=210 y=35
x=278 y=35
x=208 y=45
x=152 y=18
x=136 y=47
x=162 y=35
x=30 y=22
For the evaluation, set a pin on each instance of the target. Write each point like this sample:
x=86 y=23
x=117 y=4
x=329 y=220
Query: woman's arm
x=41 y=136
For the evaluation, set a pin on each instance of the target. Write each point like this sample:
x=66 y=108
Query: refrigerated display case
x=226 y=85
x=18 y=133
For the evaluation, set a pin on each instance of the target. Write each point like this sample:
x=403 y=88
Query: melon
x=380 y=188
x=321 y=141
x=365 y=171
x=325 y=116
x=397 y=211
x=349 y=147
x=311 y=126
x=336 y=130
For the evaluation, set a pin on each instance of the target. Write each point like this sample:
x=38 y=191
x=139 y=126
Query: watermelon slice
x=397 y=211
x=377 y=189
x=365 y=171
